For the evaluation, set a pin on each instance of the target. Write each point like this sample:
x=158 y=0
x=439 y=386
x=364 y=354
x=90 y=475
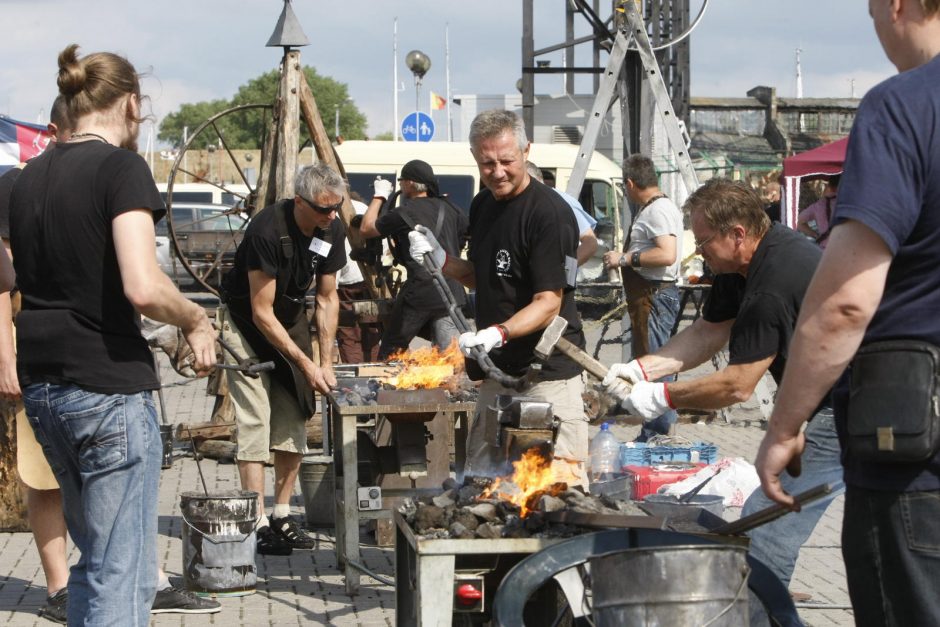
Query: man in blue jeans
x=762 y=272
x=879 y=282
x=82 y=232
x=649 y=267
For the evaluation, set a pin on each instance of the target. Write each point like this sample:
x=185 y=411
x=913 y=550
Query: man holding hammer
x=763 y=271
x=522 y=262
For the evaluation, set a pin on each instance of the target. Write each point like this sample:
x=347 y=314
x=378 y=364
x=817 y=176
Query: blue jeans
x=105 y=451
x=662 y=317
x=891 y=547
x=777 y=544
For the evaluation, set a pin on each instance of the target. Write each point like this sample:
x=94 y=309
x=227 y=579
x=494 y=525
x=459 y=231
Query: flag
x=437 y=102
x=20 y=141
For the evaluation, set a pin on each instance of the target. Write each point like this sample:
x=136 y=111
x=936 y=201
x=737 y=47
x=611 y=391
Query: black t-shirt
x=260 y=249
x=6 y=189
x=419 y=290
x=518 y=248
x=77 y=326
x=765 y=304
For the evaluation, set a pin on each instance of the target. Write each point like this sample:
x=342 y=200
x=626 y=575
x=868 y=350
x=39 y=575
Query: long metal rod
x=460 y=321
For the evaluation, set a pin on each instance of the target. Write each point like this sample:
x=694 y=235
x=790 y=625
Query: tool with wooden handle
x=552 y=339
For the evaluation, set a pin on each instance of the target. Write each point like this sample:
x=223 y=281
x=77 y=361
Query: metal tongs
x=460 y=321
x=250 y=366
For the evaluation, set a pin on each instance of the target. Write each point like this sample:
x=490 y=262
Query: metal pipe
x=377 y=577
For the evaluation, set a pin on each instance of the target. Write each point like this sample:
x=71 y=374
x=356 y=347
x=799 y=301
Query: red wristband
x=503 y=332
x=643 y=370
x=668 y=398
x=446 y=259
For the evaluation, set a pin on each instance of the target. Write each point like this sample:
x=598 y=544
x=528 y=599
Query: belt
x=660 y=283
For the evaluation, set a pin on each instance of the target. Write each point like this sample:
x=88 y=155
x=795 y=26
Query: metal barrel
x=219 y=542
x=678 y=585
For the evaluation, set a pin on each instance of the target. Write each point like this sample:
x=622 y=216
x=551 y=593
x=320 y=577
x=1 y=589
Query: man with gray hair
x=286 y=246
x=523 y=242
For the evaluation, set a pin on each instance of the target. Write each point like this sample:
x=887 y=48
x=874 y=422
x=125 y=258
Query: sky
x=197 y=50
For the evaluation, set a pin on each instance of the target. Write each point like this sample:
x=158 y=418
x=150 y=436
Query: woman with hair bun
x=82 y=232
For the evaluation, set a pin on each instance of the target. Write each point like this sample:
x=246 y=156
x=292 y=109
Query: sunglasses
x=324 y=210
x=699 y=245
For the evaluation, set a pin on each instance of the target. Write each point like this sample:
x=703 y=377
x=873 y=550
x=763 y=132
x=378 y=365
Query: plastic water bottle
x=605 y=454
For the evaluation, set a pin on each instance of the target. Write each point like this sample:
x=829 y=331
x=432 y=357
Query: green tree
x=245 y=130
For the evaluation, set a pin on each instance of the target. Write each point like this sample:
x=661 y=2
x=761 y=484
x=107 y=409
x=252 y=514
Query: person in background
x=587 y=240
x=91 y=407
x=649 y=267
x=358 y=343
x=419 y=307
x=878 y=283
x=521 y=260
x=815 y=221
x=771 y=196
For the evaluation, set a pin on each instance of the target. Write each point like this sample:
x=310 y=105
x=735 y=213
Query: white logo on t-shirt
x=503 y=262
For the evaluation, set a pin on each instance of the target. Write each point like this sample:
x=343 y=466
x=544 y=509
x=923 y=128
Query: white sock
x=263 y=521
x=163 y=582
x=281 y=510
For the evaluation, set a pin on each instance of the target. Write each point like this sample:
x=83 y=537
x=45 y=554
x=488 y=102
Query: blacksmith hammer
x=552 y=339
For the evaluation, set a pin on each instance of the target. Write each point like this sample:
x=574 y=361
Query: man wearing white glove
x=762 y=273
x=419 y=308
x=522 y=262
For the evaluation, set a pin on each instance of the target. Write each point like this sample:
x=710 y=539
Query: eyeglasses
x=699 y=245
x=324 y=210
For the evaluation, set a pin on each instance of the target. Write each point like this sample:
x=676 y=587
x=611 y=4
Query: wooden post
x=288 y=136
x=12 y=504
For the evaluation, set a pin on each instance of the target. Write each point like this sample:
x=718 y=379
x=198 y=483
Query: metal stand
x=343 y=426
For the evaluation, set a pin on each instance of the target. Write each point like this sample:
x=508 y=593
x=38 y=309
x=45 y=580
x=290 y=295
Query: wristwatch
x=623 y=260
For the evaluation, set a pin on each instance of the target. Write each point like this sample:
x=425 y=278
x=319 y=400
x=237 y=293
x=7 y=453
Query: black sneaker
x=272 y=543
x=180 y=601
x=290 y=530
x=56 y=608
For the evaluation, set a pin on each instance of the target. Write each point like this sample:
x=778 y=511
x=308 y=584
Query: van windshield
x=458 y=187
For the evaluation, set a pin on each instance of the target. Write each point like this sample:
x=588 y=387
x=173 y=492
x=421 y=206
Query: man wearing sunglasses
x=287 y=246
x=762 y=272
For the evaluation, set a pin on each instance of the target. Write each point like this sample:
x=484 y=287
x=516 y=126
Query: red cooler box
x=648 y=479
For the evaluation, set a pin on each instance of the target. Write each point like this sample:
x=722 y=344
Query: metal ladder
x=634 y=28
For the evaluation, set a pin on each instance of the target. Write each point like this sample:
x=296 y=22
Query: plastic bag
x=738 y=478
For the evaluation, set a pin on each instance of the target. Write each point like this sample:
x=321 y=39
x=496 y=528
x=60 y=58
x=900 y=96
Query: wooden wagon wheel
x=205 y=245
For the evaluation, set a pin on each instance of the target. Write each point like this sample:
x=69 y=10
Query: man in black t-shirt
x=762 y=271
x=522 y=262
x=286 y=247
x=418 y=304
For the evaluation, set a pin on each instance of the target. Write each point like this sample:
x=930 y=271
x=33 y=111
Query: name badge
x=319 y=247
x=571 y=271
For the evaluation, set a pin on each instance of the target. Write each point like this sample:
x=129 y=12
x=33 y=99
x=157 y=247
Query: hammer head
x=550 y=337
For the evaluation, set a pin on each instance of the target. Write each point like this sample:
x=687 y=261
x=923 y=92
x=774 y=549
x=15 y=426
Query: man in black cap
x=419 y=308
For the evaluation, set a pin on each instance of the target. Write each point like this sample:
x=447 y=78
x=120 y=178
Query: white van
x=458 y=177
x=205 y=193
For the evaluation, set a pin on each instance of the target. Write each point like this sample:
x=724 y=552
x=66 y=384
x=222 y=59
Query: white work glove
x=383 y=188
x=489 y=338
x=647 y=400
x=422 y=241
x=631 y=371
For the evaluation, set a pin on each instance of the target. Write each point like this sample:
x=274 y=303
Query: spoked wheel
x=205 y=236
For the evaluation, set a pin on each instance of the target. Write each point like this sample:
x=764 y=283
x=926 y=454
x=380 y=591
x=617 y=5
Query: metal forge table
x=343 y=425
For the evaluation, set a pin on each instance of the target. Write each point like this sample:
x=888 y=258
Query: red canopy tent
x=822 y=161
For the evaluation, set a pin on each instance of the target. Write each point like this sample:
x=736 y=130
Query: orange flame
x=532 y=477
x=427 y=367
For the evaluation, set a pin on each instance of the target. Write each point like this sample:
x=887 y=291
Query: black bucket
x=166 y=437
x=680 y=585
x=219 y=542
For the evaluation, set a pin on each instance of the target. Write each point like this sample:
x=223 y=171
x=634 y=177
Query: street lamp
x=419 y=64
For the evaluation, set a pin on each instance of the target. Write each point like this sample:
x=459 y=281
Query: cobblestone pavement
x=307 y=589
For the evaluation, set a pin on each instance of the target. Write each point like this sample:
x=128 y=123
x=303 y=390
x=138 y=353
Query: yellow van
x=601 y=194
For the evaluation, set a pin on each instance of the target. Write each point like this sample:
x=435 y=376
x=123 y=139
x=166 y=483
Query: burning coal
x=532 y=478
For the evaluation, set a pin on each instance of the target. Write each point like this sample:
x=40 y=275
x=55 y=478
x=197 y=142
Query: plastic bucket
x=680 y=585
x=166 y=436
x=317 y=487
x=219 y=542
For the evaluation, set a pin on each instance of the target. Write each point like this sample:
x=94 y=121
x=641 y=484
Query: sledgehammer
x=552 y=339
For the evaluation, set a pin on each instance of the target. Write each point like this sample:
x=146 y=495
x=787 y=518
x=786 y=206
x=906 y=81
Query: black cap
x=420 y=172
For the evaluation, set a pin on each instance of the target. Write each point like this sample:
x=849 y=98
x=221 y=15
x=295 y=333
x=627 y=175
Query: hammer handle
x=581 y=358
